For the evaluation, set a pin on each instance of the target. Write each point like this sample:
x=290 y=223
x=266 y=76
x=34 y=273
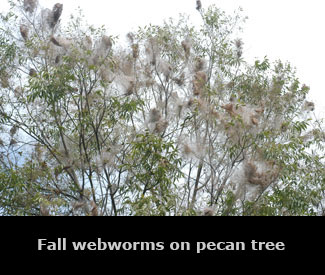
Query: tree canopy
x=173 y=122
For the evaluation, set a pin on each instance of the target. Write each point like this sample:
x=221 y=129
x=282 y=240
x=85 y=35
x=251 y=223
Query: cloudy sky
x=290 y=30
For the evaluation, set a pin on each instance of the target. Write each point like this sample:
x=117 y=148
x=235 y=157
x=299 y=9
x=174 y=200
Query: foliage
x=154 y=166
x=176 y=122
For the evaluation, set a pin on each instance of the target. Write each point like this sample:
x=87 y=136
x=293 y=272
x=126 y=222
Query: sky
x=290 y=30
